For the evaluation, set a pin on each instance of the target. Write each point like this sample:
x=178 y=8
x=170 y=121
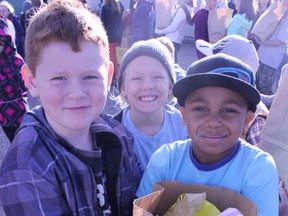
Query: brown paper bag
x=147 y=204
x=218 y=21
x=163 y=10
x=268 y=21
x=167 y=192
x=274 y=138
x=120 y=52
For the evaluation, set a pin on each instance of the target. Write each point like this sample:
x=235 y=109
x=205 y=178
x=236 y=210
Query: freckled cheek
x=97 y=94
x=55 y=99
x=52 y=95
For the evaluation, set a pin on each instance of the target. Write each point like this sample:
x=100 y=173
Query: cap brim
x=204 y=47
x=185 y=86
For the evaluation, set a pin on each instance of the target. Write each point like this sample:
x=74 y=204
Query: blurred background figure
x=12 y=88
x=222 y=4
x=261 y=6
x=200 y=20
x=273 y=55
x=111 y=16
x=7 y=12
x=25 y=6
x=175 y=31
x=179 y=72
x=143 y=21
x=231 y=4
x=36 y=5
x=243 y=21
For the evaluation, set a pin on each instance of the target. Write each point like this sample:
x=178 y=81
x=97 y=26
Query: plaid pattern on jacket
x=12 y=88
x=40 y=177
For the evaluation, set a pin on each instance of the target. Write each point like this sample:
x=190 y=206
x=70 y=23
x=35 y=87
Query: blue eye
x=136 y=78
x=59 y=78
x=158 y=77
x=90 y=77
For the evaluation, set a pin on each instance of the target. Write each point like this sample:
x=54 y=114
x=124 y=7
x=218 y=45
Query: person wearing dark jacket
x=111 y=16
x=7 y=12
x=143 y=21
x=12 y=88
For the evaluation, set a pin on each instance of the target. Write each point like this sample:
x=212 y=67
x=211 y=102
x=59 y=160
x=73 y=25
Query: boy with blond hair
x=67 y=158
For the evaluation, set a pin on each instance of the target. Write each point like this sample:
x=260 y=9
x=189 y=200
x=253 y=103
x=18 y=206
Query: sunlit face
x=4 y=12
x=215 y=118
x=146 y=84
x=72 y=86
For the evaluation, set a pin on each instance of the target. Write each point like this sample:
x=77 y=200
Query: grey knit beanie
x=152 y=48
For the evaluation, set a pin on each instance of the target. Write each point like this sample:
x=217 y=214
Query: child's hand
x=283 y=204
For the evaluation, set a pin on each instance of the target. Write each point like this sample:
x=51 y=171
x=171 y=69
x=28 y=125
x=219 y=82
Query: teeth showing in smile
x=213 y=136
x=148 y=98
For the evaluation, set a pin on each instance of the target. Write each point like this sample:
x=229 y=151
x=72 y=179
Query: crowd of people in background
x=142 y=26
x=151 y=119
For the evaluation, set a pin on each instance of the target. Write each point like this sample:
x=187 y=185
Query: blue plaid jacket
x=40 y=177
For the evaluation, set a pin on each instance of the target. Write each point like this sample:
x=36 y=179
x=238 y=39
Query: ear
x=30 y=80
x=110 y=70
x=249 y=119
x=182 y=111
x=123 y=88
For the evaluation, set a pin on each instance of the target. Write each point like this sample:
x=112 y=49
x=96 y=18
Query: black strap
x=187 y=13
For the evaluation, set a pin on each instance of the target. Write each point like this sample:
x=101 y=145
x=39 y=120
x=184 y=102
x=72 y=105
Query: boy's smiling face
x=146 y=84
x=72 y=86
x=215 y=118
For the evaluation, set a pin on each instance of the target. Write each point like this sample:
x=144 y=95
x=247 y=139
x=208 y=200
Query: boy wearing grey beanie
x=145 y=80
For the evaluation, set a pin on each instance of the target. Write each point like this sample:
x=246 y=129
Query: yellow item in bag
x=208 y=209
x=192 y=204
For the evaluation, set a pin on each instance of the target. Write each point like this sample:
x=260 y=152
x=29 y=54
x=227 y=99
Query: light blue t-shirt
x=239 y=25
x=247 y=170
x=145 y=145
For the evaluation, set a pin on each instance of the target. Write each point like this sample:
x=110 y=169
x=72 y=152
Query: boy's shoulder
x=29 y=151
x=254 y=153
x=112 y=123
x=176 y=147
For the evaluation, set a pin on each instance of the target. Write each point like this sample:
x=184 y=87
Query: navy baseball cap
x=219 y=70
